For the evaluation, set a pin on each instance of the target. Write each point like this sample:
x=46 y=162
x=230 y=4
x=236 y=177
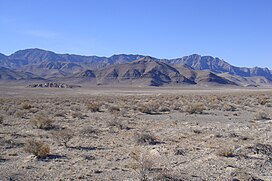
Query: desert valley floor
x=111 y=133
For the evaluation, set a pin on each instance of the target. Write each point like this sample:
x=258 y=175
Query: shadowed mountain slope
x=143 y=71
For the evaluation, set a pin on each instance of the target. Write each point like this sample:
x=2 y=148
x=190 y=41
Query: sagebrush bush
x=114 y=109
x=78 y=114
x=146 y=138
x=195 y=108
x=1 y=119
x=228 y=107
x=260 y=115
x=63 y=136
x=90 y=131
x=145 y=109
x=42 y=122
x=143 y=163
x=263 y=100
x=26 y=106
x=117 y=123
x=94 y=107
x=37 y=148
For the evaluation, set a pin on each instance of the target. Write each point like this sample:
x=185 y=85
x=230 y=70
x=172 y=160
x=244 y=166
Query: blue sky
x=238 y=31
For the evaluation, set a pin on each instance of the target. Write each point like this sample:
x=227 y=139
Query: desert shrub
x=228 y=107
x=94 y=107
x=42 y=122
x=145 y=109
x=142 y=164
x=269 y=105
x=197 y=131
x=263 y=100
x=179 y=151
x=114 y=109
x=1 y=119
x=60 y=114
x=117 y=123
x=90 y=131
x=260 y=148
x=75 y=108
x=164 y=109
x=176 y=106
x=79 y=115
x=226 y=153
x=195 y=108
x=63 y=136
x=146 y=138
x=10 y=143
x=21 y=114
x=37 y=148
x=165 y=176
x=33 y=110
x=260 y=115
x=26 y=106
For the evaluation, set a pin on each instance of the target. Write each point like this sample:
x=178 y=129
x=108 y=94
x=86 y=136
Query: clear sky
x=238 y=31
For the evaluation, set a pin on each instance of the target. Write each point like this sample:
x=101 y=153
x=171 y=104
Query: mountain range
x=128 y=69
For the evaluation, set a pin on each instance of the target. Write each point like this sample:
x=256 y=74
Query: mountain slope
x=217 y=65
x=37 y=56
x=202 y=77
x=7 y=75
x=247 y=81
x=145 y=71
x=50 y=65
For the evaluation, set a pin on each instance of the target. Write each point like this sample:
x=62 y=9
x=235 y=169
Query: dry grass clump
x=261 y=115
x=37 y=148
x=42 y=122
x=195 y=108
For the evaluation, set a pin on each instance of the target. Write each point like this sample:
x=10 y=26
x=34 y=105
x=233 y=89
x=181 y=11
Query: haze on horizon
x=240 y=32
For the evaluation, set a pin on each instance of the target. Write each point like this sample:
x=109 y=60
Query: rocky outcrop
x=52 y=85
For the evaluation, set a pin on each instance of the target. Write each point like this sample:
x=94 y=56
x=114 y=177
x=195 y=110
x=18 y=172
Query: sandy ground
x=138 y=133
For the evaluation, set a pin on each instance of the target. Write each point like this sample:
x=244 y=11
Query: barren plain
x=135 y=133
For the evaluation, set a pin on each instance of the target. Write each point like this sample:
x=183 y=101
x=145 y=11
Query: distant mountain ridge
x=219 y=66
x=192 y=69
